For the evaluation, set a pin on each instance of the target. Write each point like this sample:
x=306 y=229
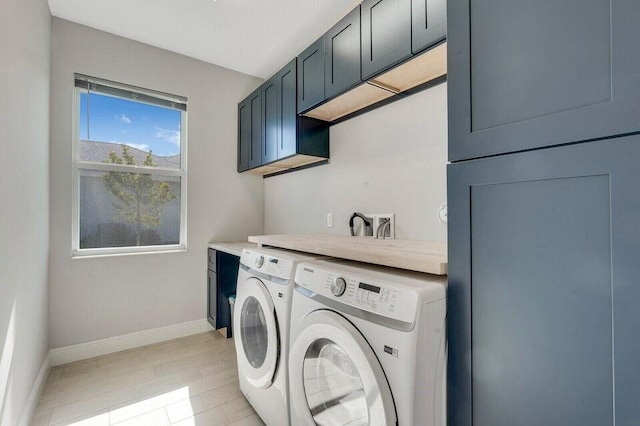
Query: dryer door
x=335 y=377
x=256 y=333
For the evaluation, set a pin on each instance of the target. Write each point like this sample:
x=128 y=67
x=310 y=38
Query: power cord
x=367 y=222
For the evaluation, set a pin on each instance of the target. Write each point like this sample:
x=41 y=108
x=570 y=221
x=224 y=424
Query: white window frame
x=78 y=166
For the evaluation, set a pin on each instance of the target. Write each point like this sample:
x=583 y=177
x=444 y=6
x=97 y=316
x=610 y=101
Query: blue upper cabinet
x=531 y=74
x=342 y=64
x=255 y=147
x=272 y=138
x=270 y=120
x=250 y=131
x=428 y=23
x=311 y=76
x=244 y=134
x=287 y=116
x=386 y=34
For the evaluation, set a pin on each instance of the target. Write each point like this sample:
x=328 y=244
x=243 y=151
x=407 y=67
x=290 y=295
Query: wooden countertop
x=234 y=248
x=422 y=256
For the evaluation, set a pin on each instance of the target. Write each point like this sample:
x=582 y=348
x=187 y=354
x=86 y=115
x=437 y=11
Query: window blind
x=92 y=84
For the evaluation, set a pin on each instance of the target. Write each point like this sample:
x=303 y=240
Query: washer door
x=256 y=332
x=335 y=377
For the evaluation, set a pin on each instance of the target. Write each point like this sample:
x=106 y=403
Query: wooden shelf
x=355 y=99
x=422 y=256
x=419 y=70
x=292 y=162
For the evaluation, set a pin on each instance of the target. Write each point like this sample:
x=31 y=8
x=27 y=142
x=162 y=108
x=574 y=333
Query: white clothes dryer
x=368 y=346
x=261 y=329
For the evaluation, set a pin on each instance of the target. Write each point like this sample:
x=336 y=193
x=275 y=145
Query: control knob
x=338 y=287
x=259 y=261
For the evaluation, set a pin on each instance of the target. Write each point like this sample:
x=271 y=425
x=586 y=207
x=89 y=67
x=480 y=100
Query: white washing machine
x=368 y=346
x=261 y=329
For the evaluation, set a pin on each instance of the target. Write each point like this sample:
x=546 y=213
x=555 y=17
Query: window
x=129 y=169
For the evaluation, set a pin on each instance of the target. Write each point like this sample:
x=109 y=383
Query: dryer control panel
x=362 y=291
x=271 y=265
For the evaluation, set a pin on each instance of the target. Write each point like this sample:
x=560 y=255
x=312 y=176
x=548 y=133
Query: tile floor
x=188 y=381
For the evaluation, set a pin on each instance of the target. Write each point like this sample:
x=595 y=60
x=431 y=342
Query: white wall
x=24 y=199
x=103 y=297
x=390 y=160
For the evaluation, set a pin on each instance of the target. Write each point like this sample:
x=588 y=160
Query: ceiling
x=255 y=37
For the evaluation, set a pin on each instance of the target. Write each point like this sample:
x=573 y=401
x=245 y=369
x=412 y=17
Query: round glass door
x=335 y=377
x=256 y=332
x=253 y=332
x=333 y=388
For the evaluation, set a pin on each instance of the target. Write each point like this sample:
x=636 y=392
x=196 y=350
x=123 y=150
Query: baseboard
x=34 y=395
x=110 y=345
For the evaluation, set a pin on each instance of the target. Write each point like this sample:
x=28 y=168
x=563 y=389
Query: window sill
x=127 y=251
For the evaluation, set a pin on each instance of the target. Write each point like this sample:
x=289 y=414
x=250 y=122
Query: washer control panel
x=364 y=292
x=267 y=264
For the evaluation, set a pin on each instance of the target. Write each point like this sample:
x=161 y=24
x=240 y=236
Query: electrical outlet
x=388 y=231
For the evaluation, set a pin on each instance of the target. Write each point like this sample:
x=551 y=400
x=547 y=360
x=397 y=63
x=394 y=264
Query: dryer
x=368 y=346
x=261 y=329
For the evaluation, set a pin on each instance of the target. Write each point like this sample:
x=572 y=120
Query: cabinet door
x=386 y=34
x=270 y=120
x=226 y=284
x=244 y=134
x=342 y=63
x=211 y=297
x=530 y=74
x=211 y=259
x=428 y=23
x=311 y=76
x=543 y=287
x=288 y=128
x=255 y=150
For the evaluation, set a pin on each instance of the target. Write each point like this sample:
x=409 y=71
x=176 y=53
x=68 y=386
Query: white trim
x=29 y=408
x=110 y=345
x=183 y=179
x=120 y=251
x=111 y=167
x=78 y=165
x=75 y=174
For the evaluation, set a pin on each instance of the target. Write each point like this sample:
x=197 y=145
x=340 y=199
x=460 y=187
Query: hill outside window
x=129 y=174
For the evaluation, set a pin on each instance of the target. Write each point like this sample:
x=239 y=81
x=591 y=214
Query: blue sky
x=142 y=126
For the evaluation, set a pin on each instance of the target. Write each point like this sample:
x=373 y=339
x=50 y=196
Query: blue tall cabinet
x=544 y=212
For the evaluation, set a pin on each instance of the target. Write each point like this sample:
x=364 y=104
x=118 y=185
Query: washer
x=368 y=346
x=261 y=329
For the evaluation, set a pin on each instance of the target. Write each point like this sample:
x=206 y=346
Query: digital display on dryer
x=369 y=287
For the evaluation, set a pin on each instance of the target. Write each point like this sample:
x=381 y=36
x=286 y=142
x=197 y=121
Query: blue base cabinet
x=222 y=277
x=543 y=315
x=212 y=304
